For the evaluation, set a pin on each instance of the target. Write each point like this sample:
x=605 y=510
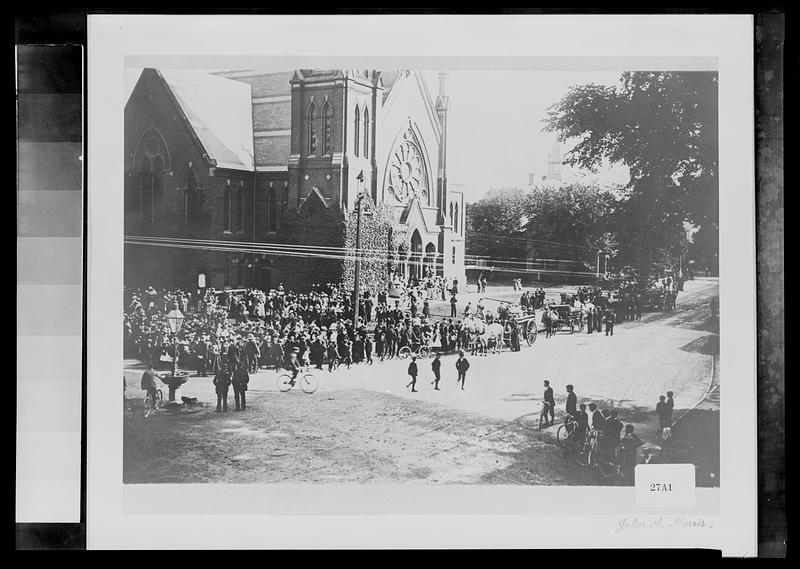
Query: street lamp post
x=175 y=320
x=357 y=272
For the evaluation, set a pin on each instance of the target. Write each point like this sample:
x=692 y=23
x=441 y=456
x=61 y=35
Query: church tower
x=554 y=163
x=442 y=108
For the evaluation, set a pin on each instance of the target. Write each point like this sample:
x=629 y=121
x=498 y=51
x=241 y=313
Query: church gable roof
x=218 y=111
x=413 y=212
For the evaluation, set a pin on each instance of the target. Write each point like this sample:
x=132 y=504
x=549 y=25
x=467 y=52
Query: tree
x=493 y=222
x=663 y=127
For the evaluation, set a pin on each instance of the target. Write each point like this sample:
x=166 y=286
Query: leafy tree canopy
x=663 y=127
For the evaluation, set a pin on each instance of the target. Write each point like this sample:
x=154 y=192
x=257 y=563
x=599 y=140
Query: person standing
x=252 y=354
x=453 y=309
x=240 y=380
x=367 y=340
x=610 y=318
x=426 y=309
x=550 y=400
x=589 y=319
x=670 y=406
x=412 y=371
x=462 y=365
x=201 y=351
x=436 y=366
x=664 y=413
x=597 y=418
x=222 y=381
x=572 y=401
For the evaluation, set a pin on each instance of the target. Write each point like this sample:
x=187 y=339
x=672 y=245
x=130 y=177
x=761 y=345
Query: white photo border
x=458 y=516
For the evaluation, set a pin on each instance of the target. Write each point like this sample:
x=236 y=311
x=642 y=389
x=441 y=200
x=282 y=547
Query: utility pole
x=357 y=273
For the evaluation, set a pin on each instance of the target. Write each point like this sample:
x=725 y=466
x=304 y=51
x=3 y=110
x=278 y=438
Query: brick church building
x=252 y=178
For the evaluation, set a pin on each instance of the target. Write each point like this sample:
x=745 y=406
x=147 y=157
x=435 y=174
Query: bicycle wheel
x=405 y=351
x=309 y=383
x=284 y=382
x=562 y=434
x=147 y=406
x=424 y=352
x=606 y=465
x=583 y=454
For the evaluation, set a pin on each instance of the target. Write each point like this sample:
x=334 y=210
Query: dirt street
x=363 y=426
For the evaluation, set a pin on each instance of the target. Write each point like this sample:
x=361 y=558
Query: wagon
x=569 y=318
x=527 y=323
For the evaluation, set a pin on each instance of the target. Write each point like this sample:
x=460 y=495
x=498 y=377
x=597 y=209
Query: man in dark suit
x=412 y=371
x=597 y=418
x=436 y=366
x=462 y=365
x=222 y=381
x=572 y=401
x=240 y=380
x=610 y=318
x=550 y=400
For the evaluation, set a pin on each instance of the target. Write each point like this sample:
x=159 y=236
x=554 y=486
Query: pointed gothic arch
x=311 y=120
x=356 y=127
x=407 y=172
x=327 y=129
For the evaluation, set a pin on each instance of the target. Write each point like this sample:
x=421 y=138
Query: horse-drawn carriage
x=495 y=332
x=569 y=318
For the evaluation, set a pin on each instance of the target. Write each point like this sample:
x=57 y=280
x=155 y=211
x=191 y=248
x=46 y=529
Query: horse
x=493 y=332
x=475 y=329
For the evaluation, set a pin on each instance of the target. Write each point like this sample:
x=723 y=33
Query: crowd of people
x=255 y=329
x=612 y=436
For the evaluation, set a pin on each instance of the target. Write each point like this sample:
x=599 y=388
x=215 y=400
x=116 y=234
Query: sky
x=495 y=136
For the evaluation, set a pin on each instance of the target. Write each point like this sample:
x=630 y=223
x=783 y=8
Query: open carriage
x=569 y=319
x=495 y=334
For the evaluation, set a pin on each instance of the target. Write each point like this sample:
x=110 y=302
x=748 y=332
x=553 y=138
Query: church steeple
x=554 y=163
x=442 y=108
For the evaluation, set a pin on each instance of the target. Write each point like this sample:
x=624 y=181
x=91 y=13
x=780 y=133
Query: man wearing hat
x=572 y=401
x=412 y=371
x=252 y=353
x=550 y=400
x=240 y=380
x=462 y=365
x=222 y=381
x=436 y=366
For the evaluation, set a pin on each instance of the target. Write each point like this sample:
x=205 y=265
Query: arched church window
x=451 y=214
x=192 y=196
x=152 y=160
x=239 y=209
x=312 y=130
x=366 y=133
x=285 y=201
x=226 y=209
x=356 y=127
x=272 y=211
x=326 y=129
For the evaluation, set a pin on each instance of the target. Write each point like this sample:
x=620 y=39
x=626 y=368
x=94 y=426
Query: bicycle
x=565 y=430
x=592 y=455
x=308 y=381
x=149 y=405
x=422 y=352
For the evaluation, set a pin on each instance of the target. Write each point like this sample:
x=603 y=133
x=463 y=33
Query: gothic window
x=356 y=127
x=454 y=255
x=312 y=130
x=151 y=161
x=406 y=174
x=451 y=214
x=226 y=209
x=285 y=201
x=366 y=133
x=455 y=219
x=272 y=211
x=239 y=209
x=192 y=197
x=327 y=136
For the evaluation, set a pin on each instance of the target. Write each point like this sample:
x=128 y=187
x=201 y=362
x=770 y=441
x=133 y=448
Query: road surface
x=363 y=425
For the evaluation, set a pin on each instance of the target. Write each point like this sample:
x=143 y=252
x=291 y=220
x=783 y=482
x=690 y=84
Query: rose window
x=407 y=171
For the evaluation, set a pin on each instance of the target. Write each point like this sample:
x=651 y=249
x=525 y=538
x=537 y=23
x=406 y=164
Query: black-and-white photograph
x=416 y=275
